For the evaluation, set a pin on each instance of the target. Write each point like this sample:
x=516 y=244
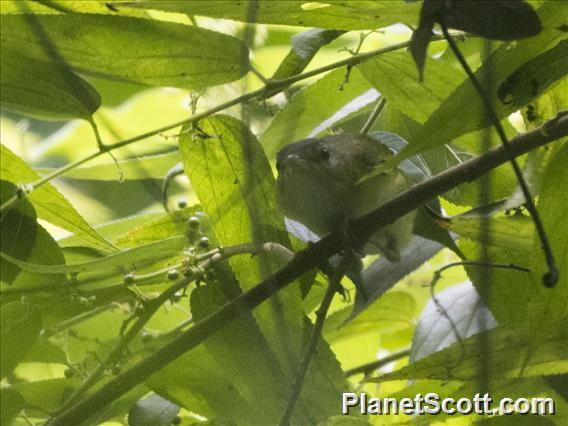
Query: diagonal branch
x=308 y=259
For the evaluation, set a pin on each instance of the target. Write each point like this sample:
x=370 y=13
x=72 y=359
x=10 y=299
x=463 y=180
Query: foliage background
x=138 y=68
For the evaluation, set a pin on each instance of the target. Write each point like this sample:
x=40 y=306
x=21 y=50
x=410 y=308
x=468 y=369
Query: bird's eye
x=324 y=153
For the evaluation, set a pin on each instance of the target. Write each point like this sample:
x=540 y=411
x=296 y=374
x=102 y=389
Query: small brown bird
x=324 y=182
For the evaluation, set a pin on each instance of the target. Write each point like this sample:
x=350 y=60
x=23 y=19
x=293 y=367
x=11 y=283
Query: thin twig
x=374 y=115
x=372 y=366
x=258 y=74
x=550 y=278
x=333 y=287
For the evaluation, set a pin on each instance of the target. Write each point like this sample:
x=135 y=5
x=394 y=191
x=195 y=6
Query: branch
x=308 y=259
x=372 y=366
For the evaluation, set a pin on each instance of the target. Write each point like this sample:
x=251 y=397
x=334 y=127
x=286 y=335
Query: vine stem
x=268 y=90
x=551 y=277
x=374 y=115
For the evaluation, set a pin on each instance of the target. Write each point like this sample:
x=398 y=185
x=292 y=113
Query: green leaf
x=46 y=395
x=44 y=249
x=49 y=203
x=535 y=76
x=195 y=381
x=305 y=45
x=18 y=232
x=309 y=108
x=358 y=15
x=506 y=358
x=115 y=229
x=166 y=225
x=131 y=49
x=395 y=77
x=44 y=90
x=45 y=351
x=23 y=239
x=144 y=167
x=548 y=305
x=11 y=403
x=120 y=260
x=152 y=410
x=62 y=6
x=393 y=311
x=443 y=126
x=497 y=19
x=234 y=183
x=463 y=316
x=242 y=354
x=20 y=327
x=505 y=232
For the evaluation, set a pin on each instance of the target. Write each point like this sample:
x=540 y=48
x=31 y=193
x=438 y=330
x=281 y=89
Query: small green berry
x=129 y=279
x=204 y=242
x=173 y=274
x=69 y=373
x=193 y=222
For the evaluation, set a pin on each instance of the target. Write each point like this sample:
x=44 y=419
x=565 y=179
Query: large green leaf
x=63 y=6
x=196 y=382
x=18 y=232
x=535 y=76
x=391 y=312
x=548 y=306
x=395 y=76
x=130 y=49
x=507 y=231
x=350 y=15
x=457 y=313
x=144 y=167
x=241 y=352
x=506 y=358
x=21 y=324
x=49 y=203
x=11 y=403
x=120 y=260
x=234 y=183
x=443 y=125
x=46 y=395
x=312 y=106
x=44 y=90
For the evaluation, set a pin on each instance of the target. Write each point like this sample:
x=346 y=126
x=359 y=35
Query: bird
x=322 y=183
